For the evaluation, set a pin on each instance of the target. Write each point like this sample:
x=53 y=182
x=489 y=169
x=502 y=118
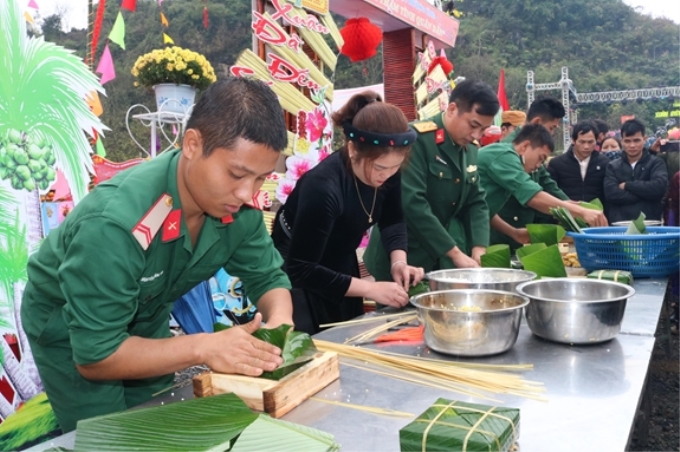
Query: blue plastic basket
x=655 y=254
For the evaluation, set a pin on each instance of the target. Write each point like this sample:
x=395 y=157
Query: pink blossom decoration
x=297 y=166
x=284 y=189
x=316 y=122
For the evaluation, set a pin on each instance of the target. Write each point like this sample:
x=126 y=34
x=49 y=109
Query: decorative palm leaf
x=35 y=420
x=8 y=205
x=42 y=91
x=13 y=256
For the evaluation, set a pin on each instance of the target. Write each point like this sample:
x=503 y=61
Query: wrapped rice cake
x=459 y=426
x=613 y=275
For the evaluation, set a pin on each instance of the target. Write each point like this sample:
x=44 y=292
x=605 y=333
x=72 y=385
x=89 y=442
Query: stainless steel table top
x=593 y=391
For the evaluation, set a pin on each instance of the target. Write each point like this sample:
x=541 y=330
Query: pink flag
x=105 y=67
x=33 y=4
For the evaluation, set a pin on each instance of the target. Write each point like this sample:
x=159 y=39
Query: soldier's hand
x=405 y=275
x=477 y=253
x=236 y=351
x=388 y=293
x=460 y=259
x=594 y=217
x=521 y=235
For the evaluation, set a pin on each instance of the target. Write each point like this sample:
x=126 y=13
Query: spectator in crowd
x=510 y=120
x=504 y=171
x=636 y=182
x=602 y=131
x=579 y=172
x=611 y=147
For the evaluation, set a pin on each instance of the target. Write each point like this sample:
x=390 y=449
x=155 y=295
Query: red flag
x=129 y=5
x=206 y=19
x=502 y=98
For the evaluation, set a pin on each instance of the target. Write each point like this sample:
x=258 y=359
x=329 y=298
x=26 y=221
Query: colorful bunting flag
x=159 y=2
x=167 y=39
x=100 y=148
x=130 y=5
x=33 y=4
x=164 y=21
x=502 y=98
x=28 y=18
x=92 y=100
x=105 y=67
x=117 y=34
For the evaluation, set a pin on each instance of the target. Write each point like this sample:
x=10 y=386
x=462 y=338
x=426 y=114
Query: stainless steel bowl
x=505 y=279
x=451 y=327
x=647 y=223
x=575 y=311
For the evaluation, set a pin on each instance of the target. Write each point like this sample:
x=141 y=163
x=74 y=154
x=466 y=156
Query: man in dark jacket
x=579 y=171
x=637 y=181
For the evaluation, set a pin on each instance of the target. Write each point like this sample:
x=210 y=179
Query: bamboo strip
x=366 y=408
x=365 y=319
x=291 y=99
x=380 y=328
x=443 y=374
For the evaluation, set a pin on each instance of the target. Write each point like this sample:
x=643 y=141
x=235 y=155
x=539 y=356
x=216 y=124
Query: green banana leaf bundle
x=497 y=256
x=421 y=287
x=550 y=234
x=297 y=348
x=545 y=261
x=565 y=219
x=453 y=426
x=217 y=423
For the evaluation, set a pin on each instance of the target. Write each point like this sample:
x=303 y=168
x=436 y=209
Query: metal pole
x=565 y=102
x=530 y=88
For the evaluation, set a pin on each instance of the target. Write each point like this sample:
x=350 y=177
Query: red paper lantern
x=446 y=65
x=362 y=39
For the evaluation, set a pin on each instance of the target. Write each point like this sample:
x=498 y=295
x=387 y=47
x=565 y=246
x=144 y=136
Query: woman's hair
x=611 y=138
x=367 y=112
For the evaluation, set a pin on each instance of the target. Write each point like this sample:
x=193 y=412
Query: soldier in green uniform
x=548 y=112
x=446 y=215
x=101 y=287
x=504 y=170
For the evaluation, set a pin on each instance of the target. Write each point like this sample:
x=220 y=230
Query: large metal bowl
x=451 y=328
x=504 y=279
x=575 y=311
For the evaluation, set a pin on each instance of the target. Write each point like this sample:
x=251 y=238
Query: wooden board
x=273 y=397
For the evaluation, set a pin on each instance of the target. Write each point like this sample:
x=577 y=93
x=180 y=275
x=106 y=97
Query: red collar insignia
x=172 y=226
x=439 y=136
x=227 y=219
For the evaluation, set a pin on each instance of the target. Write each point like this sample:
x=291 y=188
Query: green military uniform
x=503 y=177
x=443 y=203
x=517 y=215
x=113 y=270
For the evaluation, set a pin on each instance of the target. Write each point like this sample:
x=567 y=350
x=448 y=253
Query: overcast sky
x=76 y=10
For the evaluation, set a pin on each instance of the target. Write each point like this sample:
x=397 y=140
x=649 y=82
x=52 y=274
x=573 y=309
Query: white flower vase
x=171 y=98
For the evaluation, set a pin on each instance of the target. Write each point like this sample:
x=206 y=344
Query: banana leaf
x=421 y=287
x=297 y=348
x=550 y=234
x=268 y=434
x=637 y=226
x=529 y=249
x=497 y=256
x=546 y=262
x=595 y=204
x=565 y=219
x=202 y=424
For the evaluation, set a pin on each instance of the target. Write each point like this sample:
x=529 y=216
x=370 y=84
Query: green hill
x=605 y=44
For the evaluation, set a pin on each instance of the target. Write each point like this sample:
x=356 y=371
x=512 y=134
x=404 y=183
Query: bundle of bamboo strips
x=328 y=21
x=367 y=319
x=429 y=110
x=291 y=99
x=370 y=334
x=470 y=379
x=301 y=60
x=316 y=42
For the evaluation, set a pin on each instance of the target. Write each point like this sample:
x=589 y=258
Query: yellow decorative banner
x=167 y=39
x=317 y=6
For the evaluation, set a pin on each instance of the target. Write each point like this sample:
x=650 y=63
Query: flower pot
x=171 y=98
